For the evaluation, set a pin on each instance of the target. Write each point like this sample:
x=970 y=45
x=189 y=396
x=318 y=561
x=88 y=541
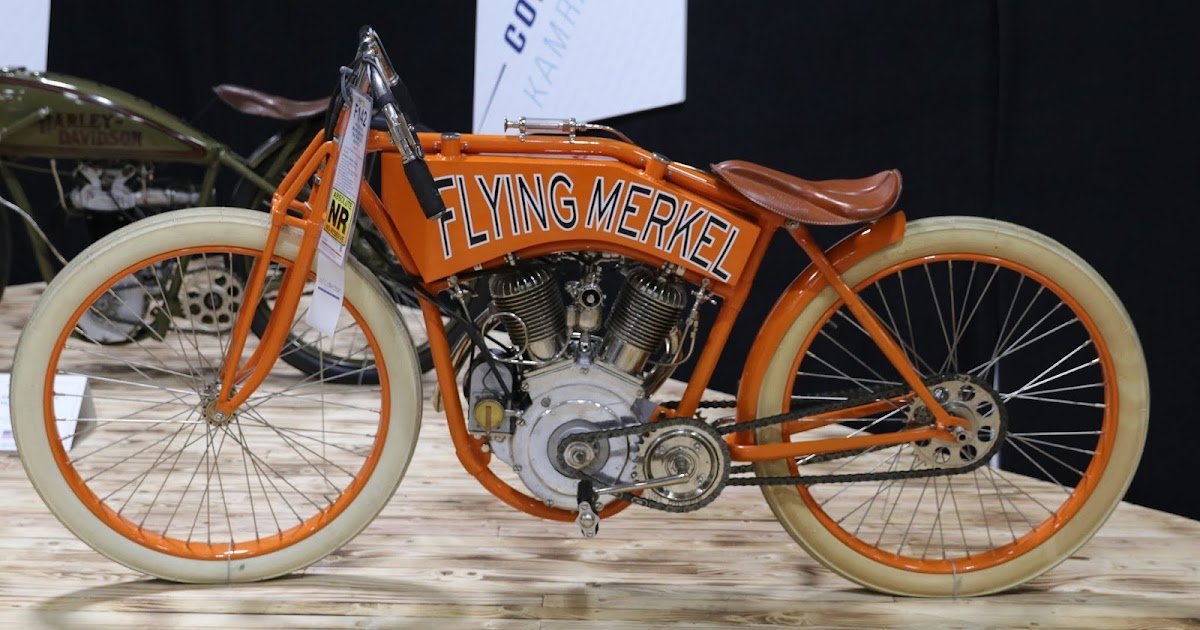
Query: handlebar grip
x=421 y=180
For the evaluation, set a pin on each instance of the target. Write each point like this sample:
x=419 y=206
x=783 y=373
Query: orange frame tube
x=248 y=376
x=824 y=271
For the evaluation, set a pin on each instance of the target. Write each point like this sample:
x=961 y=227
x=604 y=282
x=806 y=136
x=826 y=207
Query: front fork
x=240 y=380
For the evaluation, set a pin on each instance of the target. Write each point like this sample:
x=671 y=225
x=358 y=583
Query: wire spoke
x=1048 y=474
x=296 y=447
x=1028 y=440
x=153 y=453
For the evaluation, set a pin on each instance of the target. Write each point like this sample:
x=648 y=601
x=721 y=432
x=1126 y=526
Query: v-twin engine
x=123 y=188
x=570 y=370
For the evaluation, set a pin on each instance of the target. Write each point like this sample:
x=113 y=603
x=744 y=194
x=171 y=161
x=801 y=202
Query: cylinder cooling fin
x=532 y=310
x=646 y=310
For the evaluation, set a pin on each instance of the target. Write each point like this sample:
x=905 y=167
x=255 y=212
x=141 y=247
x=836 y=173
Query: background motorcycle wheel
x=5 y=251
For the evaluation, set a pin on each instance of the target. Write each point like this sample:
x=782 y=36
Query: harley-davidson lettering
x=90 y=130
x=518 y=204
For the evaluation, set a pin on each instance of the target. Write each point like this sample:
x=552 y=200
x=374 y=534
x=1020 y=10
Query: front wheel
x=150 y=475
x=1014 y=333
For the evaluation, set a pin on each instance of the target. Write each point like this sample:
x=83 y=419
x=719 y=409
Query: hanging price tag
x=326 y=304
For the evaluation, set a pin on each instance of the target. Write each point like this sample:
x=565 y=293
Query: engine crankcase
x=570 y=398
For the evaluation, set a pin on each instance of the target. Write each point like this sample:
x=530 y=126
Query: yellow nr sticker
x=339 y=217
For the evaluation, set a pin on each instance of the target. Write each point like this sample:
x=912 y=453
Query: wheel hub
x=208 y=406
x=216 y=418
x=962 y=396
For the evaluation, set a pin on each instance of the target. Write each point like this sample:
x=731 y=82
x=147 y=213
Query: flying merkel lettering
x=567 y=205
x=660 y=221
x=446 y=217
x=681 y=234
x=491 y=196
x=531 y=203
x=474 y=239
x=630 y=209
x=517 y=204
x=601 y=210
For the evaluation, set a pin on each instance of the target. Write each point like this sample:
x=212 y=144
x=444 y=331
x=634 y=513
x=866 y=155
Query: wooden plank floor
x=445 y=554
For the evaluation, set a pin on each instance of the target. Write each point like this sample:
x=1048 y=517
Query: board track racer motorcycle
x=947 y=406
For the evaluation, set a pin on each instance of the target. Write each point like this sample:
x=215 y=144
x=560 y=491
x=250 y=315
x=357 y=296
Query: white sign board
x=576 y=59
x=71 y=398
x=24 y=33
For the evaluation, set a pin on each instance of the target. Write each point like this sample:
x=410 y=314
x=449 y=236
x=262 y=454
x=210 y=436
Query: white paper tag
x=326 y=303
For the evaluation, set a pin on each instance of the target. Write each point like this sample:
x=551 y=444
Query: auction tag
x=326 y=304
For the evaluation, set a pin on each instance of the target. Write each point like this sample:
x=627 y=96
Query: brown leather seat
x=830 y=202
x=257 y=103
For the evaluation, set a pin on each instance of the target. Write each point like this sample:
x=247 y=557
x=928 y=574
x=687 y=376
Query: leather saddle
x=258 y=103
x=829 y=202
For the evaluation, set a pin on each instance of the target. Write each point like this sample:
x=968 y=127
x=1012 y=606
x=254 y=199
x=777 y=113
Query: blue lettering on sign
x=518 y=42
x=514 y=35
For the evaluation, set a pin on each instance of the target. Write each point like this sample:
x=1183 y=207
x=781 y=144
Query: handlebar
x=373 y=72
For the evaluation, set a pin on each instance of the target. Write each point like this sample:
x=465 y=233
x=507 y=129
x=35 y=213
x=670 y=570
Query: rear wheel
x=1017 y=335
x=150 y=476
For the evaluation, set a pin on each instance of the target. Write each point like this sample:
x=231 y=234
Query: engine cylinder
x=646 y=310
x=532 y=310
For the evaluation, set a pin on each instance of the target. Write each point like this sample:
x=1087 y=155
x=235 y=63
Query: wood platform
x=445 y=554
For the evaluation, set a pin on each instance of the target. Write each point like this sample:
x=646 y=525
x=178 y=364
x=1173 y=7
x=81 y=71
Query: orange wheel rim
x=194 y=549
x=1036 y=534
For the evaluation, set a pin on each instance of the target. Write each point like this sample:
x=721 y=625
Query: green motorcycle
x=106 y=151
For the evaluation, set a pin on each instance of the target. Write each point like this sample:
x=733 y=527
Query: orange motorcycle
x=948 y=406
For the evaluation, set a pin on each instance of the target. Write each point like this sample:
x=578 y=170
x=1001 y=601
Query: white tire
x=990 y=529
x=296 y=485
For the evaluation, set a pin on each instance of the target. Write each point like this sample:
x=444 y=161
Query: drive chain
x=852 y=398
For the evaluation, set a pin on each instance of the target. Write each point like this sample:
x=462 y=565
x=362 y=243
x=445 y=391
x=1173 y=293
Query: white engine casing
x=572 y=397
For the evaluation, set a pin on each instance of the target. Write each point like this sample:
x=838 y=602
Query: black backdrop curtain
x=1075 y=118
